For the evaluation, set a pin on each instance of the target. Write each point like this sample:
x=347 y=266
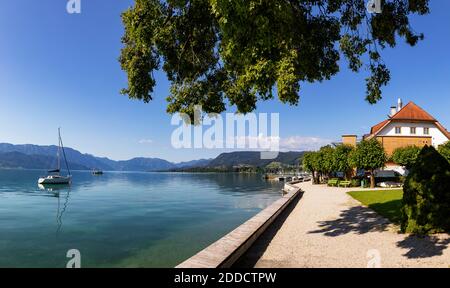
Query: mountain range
x=29 y=156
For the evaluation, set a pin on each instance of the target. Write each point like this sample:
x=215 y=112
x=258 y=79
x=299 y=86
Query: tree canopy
x=368 y=155
x=238 y=52
x=340 y=159
x=321 y=161
x=327 y=159
x=406 y=156
x=312 y=163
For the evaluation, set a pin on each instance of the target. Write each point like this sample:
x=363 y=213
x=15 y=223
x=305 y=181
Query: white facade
x=437 y=137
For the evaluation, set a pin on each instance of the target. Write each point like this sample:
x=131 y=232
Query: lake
x=123 y=219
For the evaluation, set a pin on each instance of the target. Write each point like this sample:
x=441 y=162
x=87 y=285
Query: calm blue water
x=122 y=219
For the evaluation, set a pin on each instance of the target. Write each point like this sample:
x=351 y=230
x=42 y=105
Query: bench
x=333 y=182
x=344 y=183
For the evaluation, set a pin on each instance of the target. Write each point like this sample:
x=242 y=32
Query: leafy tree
x=320 y=163
x=274 y=166
x=368 y=155
x=426 y=194
x=237 y=51
x=308 y=163
x=406 y=156
x=444 y=149
x=326 y=163
x=311 y=164
x=340 y=159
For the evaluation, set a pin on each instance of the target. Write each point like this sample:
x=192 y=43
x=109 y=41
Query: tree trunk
x=349 y=174
x=372 y=179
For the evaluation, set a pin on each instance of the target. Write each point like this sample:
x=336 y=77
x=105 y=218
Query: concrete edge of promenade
x=227 y=250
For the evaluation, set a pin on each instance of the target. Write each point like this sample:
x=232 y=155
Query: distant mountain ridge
x=253 y=158
x=20 y=160
x=31 y=156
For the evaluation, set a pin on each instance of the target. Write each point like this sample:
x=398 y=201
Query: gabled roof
x=378 y=127
x=410 y=112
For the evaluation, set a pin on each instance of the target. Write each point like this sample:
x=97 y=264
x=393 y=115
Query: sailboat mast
x=59 y=150
x=64 y=153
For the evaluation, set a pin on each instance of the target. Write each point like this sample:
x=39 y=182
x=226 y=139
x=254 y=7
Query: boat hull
x=55 y=180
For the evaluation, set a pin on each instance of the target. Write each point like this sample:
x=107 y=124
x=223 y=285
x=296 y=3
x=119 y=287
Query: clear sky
x=60 y=69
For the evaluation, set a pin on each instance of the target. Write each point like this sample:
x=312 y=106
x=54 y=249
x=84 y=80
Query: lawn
x=385 y=202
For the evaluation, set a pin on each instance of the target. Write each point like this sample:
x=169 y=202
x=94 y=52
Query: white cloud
x=303 y=143
x=260 y=141
x=145 y=141
x=292 y=143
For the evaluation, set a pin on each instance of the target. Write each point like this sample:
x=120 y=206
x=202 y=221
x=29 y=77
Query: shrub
x=444 y=149
x=426 y=197
x=355 y=183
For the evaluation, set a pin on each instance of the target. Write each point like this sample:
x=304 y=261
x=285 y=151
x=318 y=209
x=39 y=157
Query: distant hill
x=143 y=164
x=43 y=157
x=194 y=163
x=253 y=158
x=226 y=162
x=20 y=160
x=73 y=156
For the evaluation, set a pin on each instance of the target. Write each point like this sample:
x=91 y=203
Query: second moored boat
x=97 y=172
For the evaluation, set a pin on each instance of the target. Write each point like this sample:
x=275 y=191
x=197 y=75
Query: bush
x=426 y=197
x=444 y=149
x=356 y=183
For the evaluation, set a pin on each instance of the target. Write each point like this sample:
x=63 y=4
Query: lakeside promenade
x=328 y=228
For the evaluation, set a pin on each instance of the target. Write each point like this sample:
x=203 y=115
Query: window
x=398 y=130
x=413 y=130
x=426 y=131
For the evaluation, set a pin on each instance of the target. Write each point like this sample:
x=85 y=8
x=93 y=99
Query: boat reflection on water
x=58 y=191
x=54 y=188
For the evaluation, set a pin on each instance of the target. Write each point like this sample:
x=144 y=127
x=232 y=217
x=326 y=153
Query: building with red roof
x=408 y=125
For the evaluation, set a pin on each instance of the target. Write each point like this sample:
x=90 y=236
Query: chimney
x=393 y=111
x=349 y=140
x=399 y=104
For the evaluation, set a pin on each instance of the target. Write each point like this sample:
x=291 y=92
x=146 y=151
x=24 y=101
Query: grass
x=387 y=203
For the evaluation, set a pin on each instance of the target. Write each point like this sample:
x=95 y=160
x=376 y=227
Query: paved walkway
x=328 y=228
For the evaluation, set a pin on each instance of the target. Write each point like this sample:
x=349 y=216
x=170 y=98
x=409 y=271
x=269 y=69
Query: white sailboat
x=54 y=176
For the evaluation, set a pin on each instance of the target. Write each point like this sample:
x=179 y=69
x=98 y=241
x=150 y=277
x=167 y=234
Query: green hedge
x=426 y=198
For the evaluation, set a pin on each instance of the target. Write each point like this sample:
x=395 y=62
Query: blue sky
x=58 y=69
